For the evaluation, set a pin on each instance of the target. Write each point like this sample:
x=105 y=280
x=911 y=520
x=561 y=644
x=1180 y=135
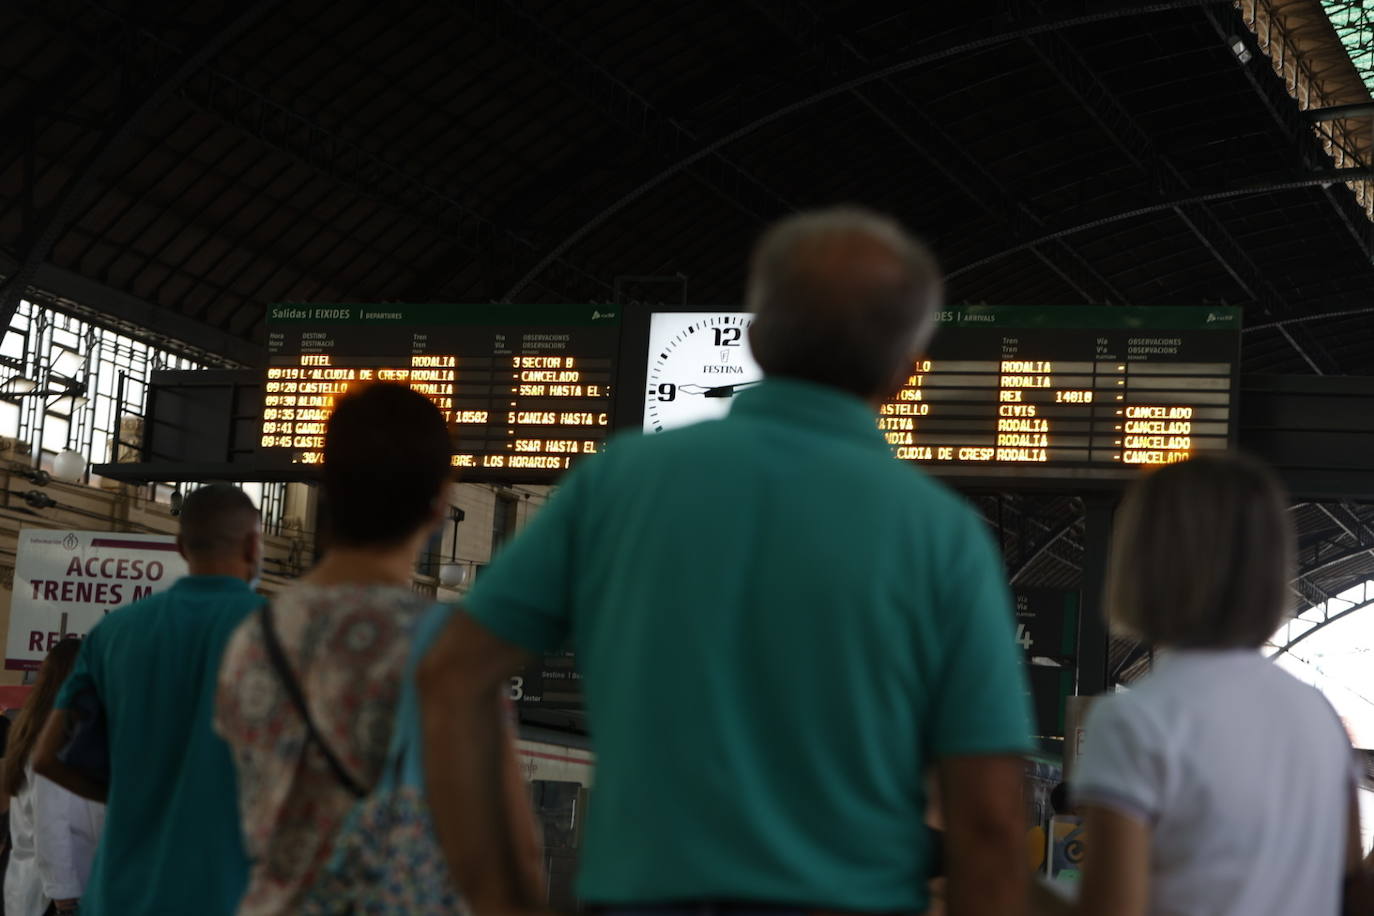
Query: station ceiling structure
x=171 y=169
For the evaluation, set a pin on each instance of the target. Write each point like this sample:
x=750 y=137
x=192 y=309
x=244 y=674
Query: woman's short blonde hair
x=1202 y=555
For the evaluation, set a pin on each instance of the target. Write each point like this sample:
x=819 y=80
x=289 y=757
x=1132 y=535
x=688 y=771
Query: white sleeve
x=1123 y=767
x=55 y=814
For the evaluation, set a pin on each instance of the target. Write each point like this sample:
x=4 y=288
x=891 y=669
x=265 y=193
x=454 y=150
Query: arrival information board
x=524 y=389
x=1072 y=391
x=1069 y=387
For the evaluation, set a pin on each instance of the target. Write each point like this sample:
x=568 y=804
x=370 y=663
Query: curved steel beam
x=1317 y=179
x=849 y=85
x=1338 y=559
x=61 y=212
x=1041 y=548
x=1288 y=646
x=1321 y=316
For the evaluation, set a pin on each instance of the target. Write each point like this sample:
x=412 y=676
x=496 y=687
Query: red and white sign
x=85 y=575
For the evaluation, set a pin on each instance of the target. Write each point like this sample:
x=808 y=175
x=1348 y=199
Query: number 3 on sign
x=1023 y=637
x=516 y=691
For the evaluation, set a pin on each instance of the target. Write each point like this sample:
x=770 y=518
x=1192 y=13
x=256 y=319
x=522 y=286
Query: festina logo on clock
x=698 y=362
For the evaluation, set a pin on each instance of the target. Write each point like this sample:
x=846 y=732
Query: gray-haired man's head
x=843 y=297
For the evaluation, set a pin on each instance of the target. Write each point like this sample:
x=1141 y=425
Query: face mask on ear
x=256 y=579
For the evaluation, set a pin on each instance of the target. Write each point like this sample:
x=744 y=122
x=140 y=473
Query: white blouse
x=1244 y=776
x=53 y=835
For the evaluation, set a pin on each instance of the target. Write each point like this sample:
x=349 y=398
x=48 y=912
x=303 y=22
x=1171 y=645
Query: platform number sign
x=1023 y=637
x=1046 y=623
x=1047 y=632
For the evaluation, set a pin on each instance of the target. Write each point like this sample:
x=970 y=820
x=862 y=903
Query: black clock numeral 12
x=727 y=337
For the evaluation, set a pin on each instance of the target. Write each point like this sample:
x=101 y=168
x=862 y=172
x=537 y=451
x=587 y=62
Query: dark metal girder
x=807 y=29
x=1042 y=548
x=360 y=170
x=1163 y=176
x=137 y=198
x=236 y=245
x=345 y=161
x=92 y=300
x=59 y=214
x=1307 y=181
x=42 y=98
x=153 y=255
x=1286 y=114
x=653 y=180
x=1359 y=110
x=1353 y=609
x=627 y=108
x=1329 y=562
x=345 y=235
x=289 y=260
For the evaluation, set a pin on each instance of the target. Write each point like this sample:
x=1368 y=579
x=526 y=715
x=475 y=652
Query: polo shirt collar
x=816 y=407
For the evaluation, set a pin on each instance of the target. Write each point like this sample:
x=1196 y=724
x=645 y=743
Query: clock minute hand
x=728 y=391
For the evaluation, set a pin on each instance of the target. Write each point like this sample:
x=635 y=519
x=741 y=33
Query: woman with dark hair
x=53 y=832
x=343 y=631
x=1219 y=784
x=334 y=645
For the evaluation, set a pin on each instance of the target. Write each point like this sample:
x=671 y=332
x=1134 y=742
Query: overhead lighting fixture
x=69 y=465
x=1239 y=48
x=455 y=575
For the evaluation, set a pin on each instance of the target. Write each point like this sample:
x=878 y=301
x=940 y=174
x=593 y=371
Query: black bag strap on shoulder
x=276 y=655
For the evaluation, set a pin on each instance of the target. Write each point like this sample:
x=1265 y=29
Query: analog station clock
x=698 y=361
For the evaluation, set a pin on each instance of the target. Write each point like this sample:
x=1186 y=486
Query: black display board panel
x=526 y=389
x=201 y=416
x=1075 y=394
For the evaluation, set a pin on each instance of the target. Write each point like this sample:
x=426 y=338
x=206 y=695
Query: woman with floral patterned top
x=344 y=630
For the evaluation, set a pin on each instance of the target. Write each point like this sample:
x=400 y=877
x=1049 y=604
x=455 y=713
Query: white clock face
x=698 y=361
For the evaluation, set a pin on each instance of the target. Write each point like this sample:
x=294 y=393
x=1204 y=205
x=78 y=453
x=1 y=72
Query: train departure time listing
x=1018 y=389
x=523 y=388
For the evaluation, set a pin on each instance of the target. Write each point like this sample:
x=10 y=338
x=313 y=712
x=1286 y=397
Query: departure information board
x=526 y=390
x=1075 y=391
x=1065 y=392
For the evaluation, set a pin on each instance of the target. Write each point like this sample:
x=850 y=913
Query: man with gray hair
x=782 y=630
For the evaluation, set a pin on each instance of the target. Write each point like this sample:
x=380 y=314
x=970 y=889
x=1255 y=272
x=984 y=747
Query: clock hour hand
x=728 y=391
x=718 y=391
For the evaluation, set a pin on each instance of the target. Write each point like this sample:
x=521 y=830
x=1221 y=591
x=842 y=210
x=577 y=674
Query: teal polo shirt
x=780 y=628
x=172 y=842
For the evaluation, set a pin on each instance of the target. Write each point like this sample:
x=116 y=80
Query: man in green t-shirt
x=781 y=628
x=171 y=843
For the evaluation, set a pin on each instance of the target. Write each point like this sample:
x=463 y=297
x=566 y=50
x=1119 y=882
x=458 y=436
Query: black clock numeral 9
x=727 y=337
x=667 y=392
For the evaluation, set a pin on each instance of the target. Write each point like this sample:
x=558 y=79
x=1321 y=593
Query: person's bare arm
x=45 y=762
x=1116 y=869
x=985 y=835
x=481 y=827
